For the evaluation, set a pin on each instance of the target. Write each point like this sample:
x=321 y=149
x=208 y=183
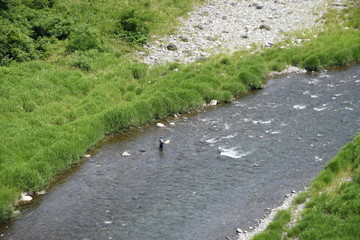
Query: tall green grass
x=334 y=209
x=54 y=110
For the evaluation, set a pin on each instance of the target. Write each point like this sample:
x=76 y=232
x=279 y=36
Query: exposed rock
x=171 y=47
x=184 y=38
x=42 y=192
x=213 y=103
x=125 y=154
x=160 y=125
x=25 y=198
x=265 y=26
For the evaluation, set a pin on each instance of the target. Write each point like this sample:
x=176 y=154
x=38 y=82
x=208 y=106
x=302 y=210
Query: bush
x=15 y=44
x=134 y=25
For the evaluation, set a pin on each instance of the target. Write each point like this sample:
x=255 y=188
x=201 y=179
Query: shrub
x=44 y=25
x=134 y=25
x=40 y=4
x=15 y=44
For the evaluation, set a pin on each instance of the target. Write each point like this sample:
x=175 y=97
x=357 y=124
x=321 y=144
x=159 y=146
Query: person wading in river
x=161 y=142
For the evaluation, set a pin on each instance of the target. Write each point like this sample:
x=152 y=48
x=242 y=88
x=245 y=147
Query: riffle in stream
x=223 y=169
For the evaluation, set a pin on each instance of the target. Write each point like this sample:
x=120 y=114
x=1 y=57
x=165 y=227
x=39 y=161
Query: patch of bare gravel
x=230 y=25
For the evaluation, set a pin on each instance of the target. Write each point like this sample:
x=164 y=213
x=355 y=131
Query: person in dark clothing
x=161 y=141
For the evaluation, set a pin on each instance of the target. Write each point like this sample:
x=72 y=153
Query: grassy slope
x=53 y=110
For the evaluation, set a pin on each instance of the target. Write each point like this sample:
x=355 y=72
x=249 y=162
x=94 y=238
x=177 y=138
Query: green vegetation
x=83 y=81
x=333 y=211
x=275 y=229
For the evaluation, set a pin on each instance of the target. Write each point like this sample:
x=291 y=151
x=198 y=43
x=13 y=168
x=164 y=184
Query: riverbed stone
x=213 y=102
x=171 y=47
x=125 y=154
x=265 y=26
x=160 y=125
x=25 y=198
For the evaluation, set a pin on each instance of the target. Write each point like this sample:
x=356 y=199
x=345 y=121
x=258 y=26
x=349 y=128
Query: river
x=223 y=168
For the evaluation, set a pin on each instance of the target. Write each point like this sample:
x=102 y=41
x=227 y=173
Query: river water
x=223 y=168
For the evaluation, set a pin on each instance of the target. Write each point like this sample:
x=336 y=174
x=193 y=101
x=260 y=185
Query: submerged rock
x=126 y=154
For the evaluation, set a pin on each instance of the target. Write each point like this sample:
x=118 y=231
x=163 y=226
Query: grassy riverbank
x=332 y=203
x=59 y=100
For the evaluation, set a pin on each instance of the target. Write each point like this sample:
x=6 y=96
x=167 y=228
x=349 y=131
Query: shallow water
x=222 y=169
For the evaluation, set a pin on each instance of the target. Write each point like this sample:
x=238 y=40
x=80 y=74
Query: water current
x=223 y=168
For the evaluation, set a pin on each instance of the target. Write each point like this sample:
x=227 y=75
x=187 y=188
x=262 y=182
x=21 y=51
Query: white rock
x=25 y=198
x=160 y=125
x=42 y=192
x=87 y=155
x=125 y=154
x=213 y=102
x=172 y=124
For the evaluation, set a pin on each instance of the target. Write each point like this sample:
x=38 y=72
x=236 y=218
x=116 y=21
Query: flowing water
x=224 y=167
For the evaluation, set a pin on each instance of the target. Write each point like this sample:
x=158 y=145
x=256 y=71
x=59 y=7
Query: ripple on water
x=299 y=106
x=233 y=152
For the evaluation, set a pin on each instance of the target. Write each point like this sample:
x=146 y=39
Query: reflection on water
x=221 y=170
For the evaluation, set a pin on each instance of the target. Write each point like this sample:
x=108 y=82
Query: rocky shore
x=230 y=25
